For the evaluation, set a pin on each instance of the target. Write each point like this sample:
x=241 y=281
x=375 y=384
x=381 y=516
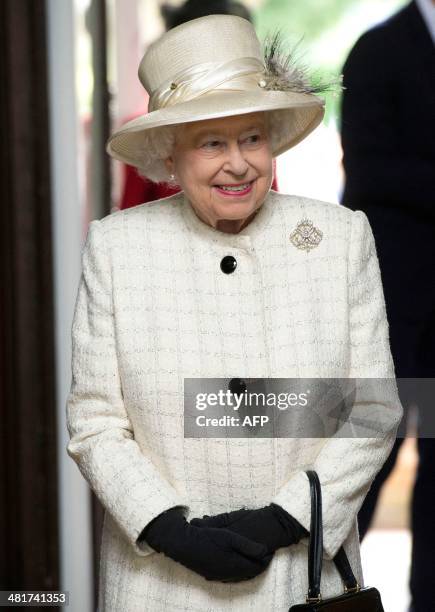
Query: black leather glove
x=215 y=554
x=272 y=525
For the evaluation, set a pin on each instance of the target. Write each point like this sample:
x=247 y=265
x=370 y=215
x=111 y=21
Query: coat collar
x=417 y=29
x=426 y=9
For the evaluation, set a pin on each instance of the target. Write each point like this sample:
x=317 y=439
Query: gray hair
x=159 y=143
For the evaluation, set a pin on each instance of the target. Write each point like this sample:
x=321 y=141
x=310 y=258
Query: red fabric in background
x=138 y=189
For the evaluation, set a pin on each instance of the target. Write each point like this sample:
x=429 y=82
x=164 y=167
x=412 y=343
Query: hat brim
x=304 y=113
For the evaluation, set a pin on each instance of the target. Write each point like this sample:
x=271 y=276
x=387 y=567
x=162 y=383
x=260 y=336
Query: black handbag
x=354 y=598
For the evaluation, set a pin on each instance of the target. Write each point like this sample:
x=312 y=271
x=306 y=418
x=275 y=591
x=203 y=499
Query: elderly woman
x=226 y=279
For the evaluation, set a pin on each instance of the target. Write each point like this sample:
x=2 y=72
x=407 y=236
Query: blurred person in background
x=138 y=189
x=388 y=139
x=225 y=278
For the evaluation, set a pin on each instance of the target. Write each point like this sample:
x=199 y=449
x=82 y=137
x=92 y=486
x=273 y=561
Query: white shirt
x=427 y=11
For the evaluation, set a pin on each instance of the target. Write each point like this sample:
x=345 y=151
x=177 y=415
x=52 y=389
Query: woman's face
x=211 y=156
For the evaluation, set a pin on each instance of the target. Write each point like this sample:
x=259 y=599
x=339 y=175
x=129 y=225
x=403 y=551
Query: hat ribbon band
x=239 y=74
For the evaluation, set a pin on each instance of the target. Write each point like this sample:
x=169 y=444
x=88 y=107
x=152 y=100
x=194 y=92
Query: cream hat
x=215 y=66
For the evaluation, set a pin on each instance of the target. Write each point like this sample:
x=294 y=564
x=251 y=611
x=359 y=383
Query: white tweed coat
x=154 y=307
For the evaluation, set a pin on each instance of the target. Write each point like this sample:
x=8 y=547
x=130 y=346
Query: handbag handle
x=315 y=552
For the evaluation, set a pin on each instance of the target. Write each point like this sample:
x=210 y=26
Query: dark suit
x=388 y=138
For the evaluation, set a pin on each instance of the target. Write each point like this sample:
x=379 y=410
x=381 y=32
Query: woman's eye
x=253 y=139
x=211 y=144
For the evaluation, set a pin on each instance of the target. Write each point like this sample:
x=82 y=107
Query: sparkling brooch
x=306 y=236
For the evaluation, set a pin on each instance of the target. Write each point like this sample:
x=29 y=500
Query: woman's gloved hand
x=272 y=525
x=215 y=554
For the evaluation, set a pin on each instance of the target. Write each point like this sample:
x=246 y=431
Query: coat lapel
x=421 y=41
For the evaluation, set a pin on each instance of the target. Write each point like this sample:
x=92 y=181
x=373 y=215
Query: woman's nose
x=236 y=162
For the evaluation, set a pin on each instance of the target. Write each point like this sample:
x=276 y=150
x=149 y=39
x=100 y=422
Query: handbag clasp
x=354 y=589
x=317 y=599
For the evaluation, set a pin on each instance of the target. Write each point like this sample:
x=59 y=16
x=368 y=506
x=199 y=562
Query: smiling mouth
x=236 y=189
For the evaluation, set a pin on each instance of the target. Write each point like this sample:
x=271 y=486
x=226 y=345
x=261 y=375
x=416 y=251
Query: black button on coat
x=228 y=264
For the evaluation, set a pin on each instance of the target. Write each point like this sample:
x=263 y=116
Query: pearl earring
x=172 y=178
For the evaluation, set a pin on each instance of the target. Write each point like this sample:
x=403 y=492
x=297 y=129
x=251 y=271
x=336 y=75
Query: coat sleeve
x=102 y=442
x=347 y=465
